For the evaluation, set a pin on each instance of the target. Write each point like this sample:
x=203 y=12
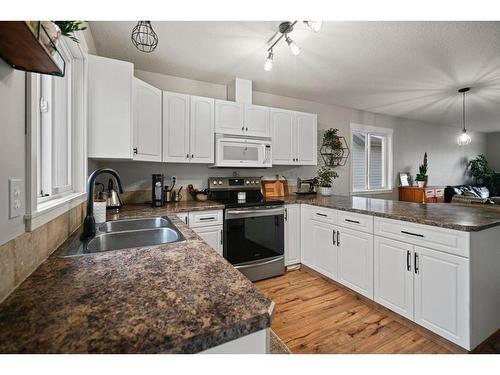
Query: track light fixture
x=285 y=28
x=314 y=25
x=268 y=65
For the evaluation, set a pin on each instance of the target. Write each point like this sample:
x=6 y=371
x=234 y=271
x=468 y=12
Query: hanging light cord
x=463 y=111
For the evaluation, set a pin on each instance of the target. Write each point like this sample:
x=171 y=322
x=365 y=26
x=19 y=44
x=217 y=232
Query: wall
x=12 y=158
x=493 y=150
x=411 y=140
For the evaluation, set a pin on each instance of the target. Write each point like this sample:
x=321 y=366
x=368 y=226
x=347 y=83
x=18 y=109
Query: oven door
x=254 y=235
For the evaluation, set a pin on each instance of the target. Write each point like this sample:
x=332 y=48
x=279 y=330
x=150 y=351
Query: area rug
x=277 y=345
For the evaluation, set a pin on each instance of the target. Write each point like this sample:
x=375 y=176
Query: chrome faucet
x=89 y=221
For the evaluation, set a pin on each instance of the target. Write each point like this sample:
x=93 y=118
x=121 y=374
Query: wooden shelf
x=21 y=49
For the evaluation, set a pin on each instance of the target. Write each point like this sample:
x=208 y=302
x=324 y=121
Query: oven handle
x=234 y=214
x=244 y=266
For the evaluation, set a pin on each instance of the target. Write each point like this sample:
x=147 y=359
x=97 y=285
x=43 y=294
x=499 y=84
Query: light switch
x=16 y=198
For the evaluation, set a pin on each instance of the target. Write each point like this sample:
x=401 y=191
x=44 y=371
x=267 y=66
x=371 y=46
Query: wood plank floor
x=315 y=315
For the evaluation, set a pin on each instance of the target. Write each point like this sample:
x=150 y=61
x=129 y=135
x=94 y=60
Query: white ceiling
x=406 y=69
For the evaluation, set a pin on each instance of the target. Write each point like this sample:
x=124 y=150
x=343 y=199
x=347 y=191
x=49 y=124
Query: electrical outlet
x=16 y=198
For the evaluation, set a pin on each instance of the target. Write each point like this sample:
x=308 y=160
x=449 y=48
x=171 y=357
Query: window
x=371 y=161
x=56 y=113
x=54 y=149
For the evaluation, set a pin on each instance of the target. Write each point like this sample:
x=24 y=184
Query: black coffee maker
x=157 y=190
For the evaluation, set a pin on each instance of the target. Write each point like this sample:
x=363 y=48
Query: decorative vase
x=421 y=184
x=325 y=191
x=50 y=38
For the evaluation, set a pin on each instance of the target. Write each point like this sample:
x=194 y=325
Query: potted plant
x=422 y=177
x=332 y=145
x=324 y=180
x=54 y=30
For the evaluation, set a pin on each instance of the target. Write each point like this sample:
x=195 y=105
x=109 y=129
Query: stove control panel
x=234 y=183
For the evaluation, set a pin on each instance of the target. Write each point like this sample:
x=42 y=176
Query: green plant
x=325 y=177
x=422 y=170
x=69 y=27
x=480 y=170
x=331 y=139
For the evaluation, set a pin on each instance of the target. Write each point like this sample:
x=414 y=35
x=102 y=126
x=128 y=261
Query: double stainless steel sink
x=127 y=233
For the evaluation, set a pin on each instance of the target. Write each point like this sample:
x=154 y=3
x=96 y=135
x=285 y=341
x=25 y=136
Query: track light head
x=268 y=65
x=314 y=25
x=294 y=48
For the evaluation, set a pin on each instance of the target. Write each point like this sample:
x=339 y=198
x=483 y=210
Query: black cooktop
x=254 y=198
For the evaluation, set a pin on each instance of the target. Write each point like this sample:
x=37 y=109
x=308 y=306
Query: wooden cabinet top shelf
x=21 y=49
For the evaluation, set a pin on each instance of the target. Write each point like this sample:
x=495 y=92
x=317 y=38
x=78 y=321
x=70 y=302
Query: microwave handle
x=268 y=154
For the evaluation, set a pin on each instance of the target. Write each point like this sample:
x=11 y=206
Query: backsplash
x=22 y=255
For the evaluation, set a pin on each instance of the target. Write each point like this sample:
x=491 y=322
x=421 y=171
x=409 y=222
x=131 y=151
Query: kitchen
x=197 y=222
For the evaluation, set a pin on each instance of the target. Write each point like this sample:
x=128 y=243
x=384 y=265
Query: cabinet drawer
x=205 y=218
x=430 y=193
x=447 y=240
x=355 y=221
x=323 y=215
x=439 y=192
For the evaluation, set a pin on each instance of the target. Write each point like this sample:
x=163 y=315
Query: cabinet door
x=109 y=108
x=175 y=127
x=147 y=122
x=441 y=294
x=305 y=139
x=211 y=235
x=184 y=216
x=323 y=250
x=282 y=127
x=355 y=260
x=201 y=130
x=292 y=234
x=229 y=117
x=393 y=279
x=257 y=121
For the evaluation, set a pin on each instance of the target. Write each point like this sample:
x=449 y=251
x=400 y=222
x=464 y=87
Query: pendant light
x=268 y=65
x=144 y=37
x=464 y=138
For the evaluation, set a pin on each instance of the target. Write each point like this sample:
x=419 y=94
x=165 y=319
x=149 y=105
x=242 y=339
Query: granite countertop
x=445 y=215
x=175 y=298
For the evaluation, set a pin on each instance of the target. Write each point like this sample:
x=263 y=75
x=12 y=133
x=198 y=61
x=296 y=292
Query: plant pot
x=325 y=191
x=421 y=184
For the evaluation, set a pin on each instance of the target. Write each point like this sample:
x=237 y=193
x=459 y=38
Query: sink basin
x=136 y=238
x=125 y=234
x=134 y=224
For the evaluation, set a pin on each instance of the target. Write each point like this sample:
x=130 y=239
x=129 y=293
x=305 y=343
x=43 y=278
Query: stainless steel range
x=253 y=226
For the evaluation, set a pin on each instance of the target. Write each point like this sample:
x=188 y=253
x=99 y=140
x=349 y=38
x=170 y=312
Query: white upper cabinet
x=294 y=137
x=147 y=121
x=201 y=130
x=229 y=117
x=175 y=127
x=257 y=121
x=110 y=108
x=306 y=138
x=241 y=119
x=282 y=125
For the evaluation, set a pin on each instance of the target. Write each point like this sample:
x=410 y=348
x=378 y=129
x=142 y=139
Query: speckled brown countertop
x=176 y=298
x=445 y=215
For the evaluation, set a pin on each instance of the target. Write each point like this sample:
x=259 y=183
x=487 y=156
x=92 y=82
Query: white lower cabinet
x=427 y=286
x=393 y=275
x=355 y=260
x=442 y=294
x=211 y=235
x=292 y=234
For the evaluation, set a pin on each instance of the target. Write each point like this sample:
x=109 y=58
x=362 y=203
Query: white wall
x=411 y=140
x=12 y=146
x=493 y=150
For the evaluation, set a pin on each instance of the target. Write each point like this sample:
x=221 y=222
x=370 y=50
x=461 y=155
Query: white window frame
x=387 y=158
x=41 y=211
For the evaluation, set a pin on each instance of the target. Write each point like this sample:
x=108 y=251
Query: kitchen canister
x=100 y=211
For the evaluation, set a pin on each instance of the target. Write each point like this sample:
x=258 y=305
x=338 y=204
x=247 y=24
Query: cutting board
x=274 y=189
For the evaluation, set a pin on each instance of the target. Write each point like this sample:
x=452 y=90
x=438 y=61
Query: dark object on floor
x=277 y=346
x=469 y=194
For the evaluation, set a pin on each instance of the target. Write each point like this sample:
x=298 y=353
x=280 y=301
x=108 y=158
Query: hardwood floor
x=316 y=315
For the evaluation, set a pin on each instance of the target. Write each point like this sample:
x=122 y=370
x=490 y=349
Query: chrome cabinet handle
x=338 y=238
x=408 y=260
x=221 y=236
x=192 y=156
x=187 y=156
x=135 y=150
x=417 y=268
x=246 y=129
x=206 y=218
x=333 y=237
x=320 y=214
x=351 y=221
x=286 y=214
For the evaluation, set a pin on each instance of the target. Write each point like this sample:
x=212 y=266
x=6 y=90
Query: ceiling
x=406 y=69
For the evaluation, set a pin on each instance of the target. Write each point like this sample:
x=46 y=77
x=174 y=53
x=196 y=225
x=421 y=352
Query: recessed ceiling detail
x=405 y=69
